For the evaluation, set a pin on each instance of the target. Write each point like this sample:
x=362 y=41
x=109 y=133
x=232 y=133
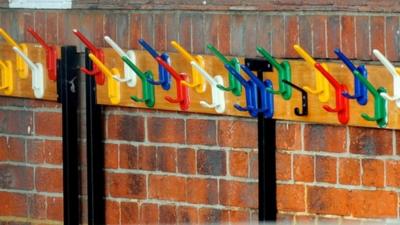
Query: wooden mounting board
x=23 y=87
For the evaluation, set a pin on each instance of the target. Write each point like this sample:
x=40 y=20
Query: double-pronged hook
x=304 y=100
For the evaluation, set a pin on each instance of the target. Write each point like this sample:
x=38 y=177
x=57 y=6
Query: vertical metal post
x=95 y=152
x=267 y=205
x=67 y=88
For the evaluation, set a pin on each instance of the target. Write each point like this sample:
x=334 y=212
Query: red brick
x=186 y=161
x=16 y=177
x=160 y=130
x=124 y=127
x=348 y=35
x=35 y=151
x=201 y=132
x=211 y=30
x=185 y=27
x=238 y=33
x=328 y=201
x=327 y=220
x=238 y=163
x=122 y=21
x=48 y=124
x=110 y=27
x=171 y=23
x=288 y=136
x=40 y=22
x=278 y=34
x=224 y=33
x=283 y=166
x=147 y=159
x=167 y=187
x=238 y=194
x=349 y=171
x=24 y=125
x=53 y=152
x=55 y=208
x=168 y=214
x=12 y=149
x=314 y=138
x=198 y=31
x=305 y=220
x=370 y=141
x=250 y=41
x=303 y=168
x=374 y=204
x=291 y=35
x=305 y=32
x=362 y=38
x=202 y=191
x=160 y=31
x=149 y=214
x=112 y=212
x=126 y=185
x=166 y=159
x=111 y=156
x=284 y=219
x=187 y=215
x=13 y=204
x=325 y=169
x=148 y=28
x=129 y=213
x=211 y=162
x=319 y=36
x=393 y=173
x=44 y=175
x=290 y=198
x=135 y=30
x=373 y=172
x=37 y=207
x=237 y=133
x=392 y=37
x=253 y=161
x=128 y=156
x=377 y=33
x=239 y=217
x=264 y=31
x=212 y=216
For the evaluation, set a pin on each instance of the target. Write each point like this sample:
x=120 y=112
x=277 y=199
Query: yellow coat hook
x=198 y=81
x=7 y=82
x=321 y=83
x=22 y=67
x=113 y=85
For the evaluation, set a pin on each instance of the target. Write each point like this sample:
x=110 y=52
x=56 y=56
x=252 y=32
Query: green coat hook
x=284 y=73
x=380 y=103
x=234 y=85
x=147 y=88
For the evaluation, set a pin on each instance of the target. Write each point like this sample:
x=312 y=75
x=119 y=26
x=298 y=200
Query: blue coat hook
x=267 y=98
x=163 y=74
x=250 y=90
x=360 y=90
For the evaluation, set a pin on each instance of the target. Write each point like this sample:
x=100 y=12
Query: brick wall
x=203 y=168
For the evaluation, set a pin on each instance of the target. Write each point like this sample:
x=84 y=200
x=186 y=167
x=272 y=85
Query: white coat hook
x=396 y=78
x=218 y=97
x=37 y=74
x=130 y=75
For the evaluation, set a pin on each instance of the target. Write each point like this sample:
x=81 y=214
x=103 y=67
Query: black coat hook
x=304 y=100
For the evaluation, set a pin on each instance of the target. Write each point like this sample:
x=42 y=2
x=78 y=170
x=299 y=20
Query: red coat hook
x=342 y=103
x=96 y=72
x=51 y=55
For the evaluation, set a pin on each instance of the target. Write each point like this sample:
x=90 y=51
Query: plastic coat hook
x=234 y=85
x=284 y=73
x=96 y=72
x=37 y=74
x=114 y=93
x=360 y=90
x=396 y=78
x=7 y=81
x=267 y=98
x=321 y=83
x=21 y=66
x=130 y=76
x=51 y=55
x=342 y=103
x=182 y=91
x=198 y=82
x=218 y=97
x=304 y=100
x=148 y=96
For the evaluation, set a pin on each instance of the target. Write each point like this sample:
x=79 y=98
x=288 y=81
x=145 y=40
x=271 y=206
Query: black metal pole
x=267 y=205
x=95 y=152
x=67 y=88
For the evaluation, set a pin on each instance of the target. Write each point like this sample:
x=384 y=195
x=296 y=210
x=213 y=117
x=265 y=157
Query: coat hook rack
x=234 y=85
x=114 y=93
x=51 y=55
x=37 y=73
x=21 y=66
x=284 y=72
x=321 y=83
x=96 y=72
x=182 y=91
x=360 y=90
x=7 y=81
x=304 y=100
x=396 y=78
x=218 y=97
x=130 y=76
x=198 y=82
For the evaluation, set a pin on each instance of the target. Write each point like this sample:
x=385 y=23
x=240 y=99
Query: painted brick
x=373 y=172
x=124 y=127
x=303 y=168
x=149 y=213
x=166 y=159
x=44 y=175
x=126 y=185
x=245 y=133
x=393 y=173
x=13 y=204
x=158 y=130
x=202 y=132
x=349 y=171
x=129 y=213
x=325 y=169
x=211 y=162
x=128 y=156
x=168 y=214
x=239 y=194
x=336 y=142
x=283 y=166
x=186 y=161
x=370 y=141
x=202 y=191
x=328 y=201
x=288 y=136
x=290 y=198
x=167 y=187
x=238 y=163
x=187 y=215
